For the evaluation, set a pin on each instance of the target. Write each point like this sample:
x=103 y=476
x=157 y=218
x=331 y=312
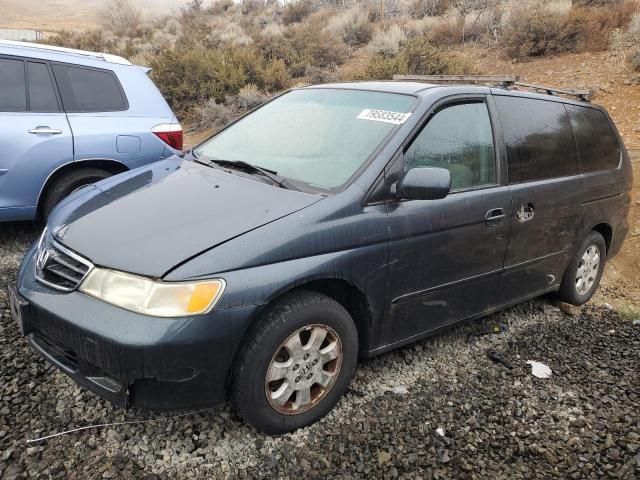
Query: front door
x=446 y=256
x=35 y=136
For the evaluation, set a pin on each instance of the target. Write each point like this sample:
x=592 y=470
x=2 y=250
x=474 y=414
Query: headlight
x=159 y=299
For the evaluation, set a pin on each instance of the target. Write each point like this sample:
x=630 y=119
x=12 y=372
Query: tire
x=571 y=289
x=66 y=184
x=305 y=315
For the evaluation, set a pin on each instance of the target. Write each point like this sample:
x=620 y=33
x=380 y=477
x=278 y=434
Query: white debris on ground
x=539 y=370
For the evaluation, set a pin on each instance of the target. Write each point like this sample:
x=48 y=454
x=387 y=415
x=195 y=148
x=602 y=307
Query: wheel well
x=110 y=166
x=352 y=299
x=606 y=231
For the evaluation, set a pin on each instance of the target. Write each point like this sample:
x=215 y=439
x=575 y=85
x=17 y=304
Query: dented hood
x=152 y=219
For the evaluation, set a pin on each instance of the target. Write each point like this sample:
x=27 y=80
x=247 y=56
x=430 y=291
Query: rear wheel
x=295 y=364
x=67 y=184
x=585 y=270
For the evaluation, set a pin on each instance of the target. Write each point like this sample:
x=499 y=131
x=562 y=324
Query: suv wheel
x=584 y=271
x=295 y=364
x=67 y=184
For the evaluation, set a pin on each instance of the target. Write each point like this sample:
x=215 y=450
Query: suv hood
x=152 y=219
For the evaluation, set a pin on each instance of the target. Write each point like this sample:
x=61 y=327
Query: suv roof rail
x=504 y=81
x=106 y=57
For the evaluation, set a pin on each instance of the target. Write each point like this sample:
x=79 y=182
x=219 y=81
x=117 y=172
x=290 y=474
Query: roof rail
x=504 y=81
x=106 y=57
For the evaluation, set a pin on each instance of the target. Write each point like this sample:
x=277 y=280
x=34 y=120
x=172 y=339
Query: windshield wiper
x=246 y=166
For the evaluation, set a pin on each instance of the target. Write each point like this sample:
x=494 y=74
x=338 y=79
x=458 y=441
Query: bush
x=533 y=31
x=351 y=26
x=189 y=76
x=213 y=115
x=423 y=8
x=121 y=17
x=317 y=75
x=417 y=57
x=296 y=11
x=274 y=75
x=250 y=97
x=388 y=42
x=448 y=31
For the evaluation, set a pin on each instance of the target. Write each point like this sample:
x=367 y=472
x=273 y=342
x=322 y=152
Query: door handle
x=494 y=217
x=45 y=130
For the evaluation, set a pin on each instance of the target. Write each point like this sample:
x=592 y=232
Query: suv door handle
x=45 y=130
x=494 y=217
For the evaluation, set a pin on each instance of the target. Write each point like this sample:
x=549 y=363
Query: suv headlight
x=149 y=297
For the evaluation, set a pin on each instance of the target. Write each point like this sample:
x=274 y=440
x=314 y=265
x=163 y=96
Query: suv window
x=89 y=89
x=538 y=137
x=460 y=139
x=598 y=144
x=13 y=92
x=42 y=95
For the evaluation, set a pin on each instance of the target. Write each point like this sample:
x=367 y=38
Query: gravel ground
x=437 y=409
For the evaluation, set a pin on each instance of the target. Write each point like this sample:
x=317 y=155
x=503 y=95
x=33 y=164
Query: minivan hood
x=151 y=219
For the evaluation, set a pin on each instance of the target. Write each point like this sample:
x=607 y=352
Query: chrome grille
x=58 y=267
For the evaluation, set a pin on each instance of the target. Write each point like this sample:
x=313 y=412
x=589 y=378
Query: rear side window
x=89 y=89
x=42 y=95
x=538 y=137
x=13 y=91
x=597 y=141
x=458 y=138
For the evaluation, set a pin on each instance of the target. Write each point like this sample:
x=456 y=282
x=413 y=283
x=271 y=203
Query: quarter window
x=42 y=96
x=458 y=138
x=89 y=89
x=538 y=137
x=598 y=144
x=13 y=92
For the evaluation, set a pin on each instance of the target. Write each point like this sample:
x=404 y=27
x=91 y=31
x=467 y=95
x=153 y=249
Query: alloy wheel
x=588 y=269
x=303 y=369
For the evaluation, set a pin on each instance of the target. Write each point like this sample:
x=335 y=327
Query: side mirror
x=424 y=183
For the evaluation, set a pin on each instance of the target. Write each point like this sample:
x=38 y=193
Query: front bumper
x=125 y=357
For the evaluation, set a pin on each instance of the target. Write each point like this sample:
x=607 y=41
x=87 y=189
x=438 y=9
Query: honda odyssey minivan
x=334 y=222
x=70 y=118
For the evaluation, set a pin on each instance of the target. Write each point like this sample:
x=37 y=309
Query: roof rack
x=106 y=57
x=504 y=81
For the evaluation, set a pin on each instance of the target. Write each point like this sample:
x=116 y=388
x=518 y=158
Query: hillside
x=50 y=15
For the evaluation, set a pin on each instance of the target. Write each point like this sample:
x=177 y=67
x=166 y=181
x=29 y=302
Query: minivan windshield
x=317 y=136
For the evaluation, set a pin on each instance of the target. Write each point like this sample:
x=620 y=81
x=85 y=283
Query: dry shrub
x=219 y=7
x=93 y=40
x=120 y=16
x=421 y=26
x=417 y=57
x=227 y=32
x=296 y=11
x=423 y=8
x=213 y=115
x=593 y=26
x=275 y=76
x=388 y=42
x=317 y=75
x=352 y=26
x=250 y=97
x=448 y=32
x=532 y=31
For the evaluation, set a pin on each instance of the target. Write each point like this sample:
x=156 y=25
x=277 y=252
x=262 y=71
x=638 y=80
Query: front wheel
x=295 y=364
x=67 y=184
x=584 y=271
